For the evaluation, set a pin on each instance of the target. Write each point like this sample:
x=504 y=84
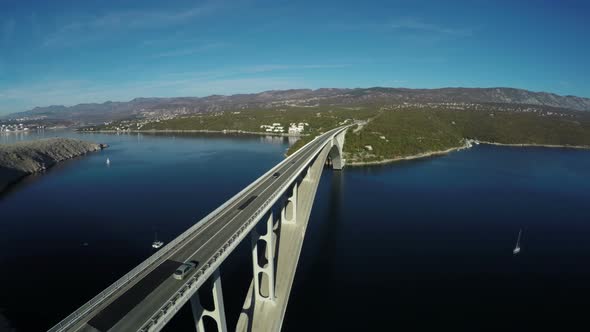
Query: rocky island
x=24 y=158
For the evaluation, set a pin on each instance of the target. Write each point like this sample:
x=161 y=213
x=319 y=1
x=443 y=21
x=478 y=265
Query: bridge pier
x=218 y=312
x=275 y=254
x=264 y=275
x=289 y=211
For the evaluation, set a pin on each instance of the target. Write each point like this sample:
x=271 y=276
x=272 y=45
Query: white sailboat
x=157 y=244
x=517 y=248
x=108 y=161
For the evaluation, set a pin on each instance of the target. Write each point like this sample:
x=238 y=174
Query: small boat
x=157 y=244
x=108 y=161
x=517 y=248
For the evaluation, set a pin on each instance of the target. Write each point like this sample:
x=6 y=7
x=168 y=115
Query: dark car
x=276 y=175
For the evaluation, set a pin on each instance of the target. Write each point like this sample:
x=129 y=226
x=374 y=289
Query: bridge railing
x=124 y=280
x=184 y=292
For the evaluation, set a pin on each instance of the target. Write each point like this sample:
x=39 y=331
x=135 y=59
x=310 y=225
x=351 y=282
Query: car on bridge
x=276 y=175
x=184 y=269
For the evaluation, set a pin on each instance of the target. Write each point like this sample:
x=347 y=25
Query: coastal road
x=130 y=307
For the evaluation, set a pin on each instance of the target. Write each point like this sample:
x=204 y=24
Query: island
x=24 y=158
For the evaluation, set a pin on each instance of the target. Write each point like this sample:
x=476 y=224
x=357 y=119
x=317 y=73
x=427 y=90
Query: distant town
x=294 y=128
x=18 y=128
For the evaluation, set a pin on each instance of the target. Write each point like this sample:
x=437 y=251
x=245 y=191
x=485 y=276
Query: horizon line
x=293 y=89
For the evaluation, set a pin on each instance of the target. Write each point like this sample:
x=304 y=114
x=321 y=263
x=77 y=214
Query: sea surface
x=412 y=246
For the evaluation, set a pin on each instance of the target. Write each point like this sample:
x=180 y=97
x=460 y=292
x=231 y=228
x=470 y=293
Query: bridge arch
x=335 y=156
x=275 y=254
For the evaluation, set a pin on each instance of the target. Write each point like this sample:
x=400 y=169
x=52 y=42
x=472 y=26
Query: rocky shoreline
x=582 y=147
x=411 y=157
x=468 y=144
x=24 y=158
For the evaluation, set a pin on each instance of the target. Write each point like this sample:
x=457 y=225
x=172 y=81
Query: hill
x=93 y=113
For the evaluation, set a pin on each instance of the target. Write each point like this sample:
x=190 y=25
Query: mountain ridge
x=145 y=106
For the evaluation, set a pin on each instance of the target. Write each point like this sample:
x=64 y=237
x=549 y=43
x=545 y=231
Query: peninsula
x=384 y=133
x=24 y=158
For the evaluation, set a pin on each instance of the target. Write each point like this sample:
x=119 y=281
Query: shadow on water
x=31 y=179
x=329 y=229
x=316 y=269
x=415 y=246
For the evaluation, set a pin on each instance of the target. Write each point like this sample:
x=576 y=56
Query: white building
x=275 y=128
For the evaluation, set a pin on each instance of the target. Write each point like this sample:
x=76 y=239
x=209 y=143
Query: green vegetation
x=320 y=119
x=250 y=120
x=406 y=132
x=396 y=131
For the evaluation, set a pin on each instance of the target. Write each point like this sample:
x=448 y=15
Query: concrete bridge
x=147 y=297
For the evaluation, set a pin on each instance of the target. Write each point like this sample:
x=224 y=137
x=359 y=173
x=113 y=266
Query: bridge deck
x=131 y=307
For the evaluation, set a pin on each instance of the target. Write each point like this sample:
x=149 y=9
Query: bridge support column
x=289 y=211
x=218 y=312
x=264 y=276
x=308 y=177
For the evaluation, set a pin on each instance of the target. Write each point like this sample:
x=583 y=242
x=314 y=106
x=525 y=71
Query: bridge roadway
x=130 y=307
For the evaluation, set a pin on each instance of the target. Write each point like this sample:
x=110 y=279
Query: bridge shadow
x=327 y=232
x=315 y=273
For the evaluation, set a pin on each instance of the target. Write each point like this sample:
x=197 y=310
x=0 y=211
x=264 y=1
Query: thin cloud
x=223 y=81
x=250 y=70
x=105 y=25
x=408 y=26
x=276 y=67
x=189 y=51
x=76 y=92
x=413 y=24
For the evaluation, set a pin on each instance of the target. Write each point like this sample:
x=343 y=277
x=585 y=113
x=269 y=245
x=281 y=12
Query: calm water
x=412 y=246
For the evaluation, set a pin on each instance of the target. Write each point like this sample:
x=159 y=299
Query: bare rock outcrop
x=23 y=158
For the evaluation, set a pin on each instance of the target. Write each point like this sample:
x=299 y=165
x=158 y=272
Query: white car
x=183 y=270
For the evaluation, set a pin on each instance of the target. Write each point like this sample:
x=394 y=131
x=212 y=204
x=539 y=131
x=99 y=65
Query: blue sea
x=413 y=246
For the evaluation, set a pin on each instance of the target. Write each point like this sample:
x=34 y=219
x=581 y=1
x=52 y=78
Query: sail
x=517 y=248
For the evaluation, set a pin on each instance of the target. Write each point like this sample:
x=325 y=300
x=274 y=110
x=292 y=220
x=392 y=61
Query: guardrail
x=185 y=291
x=124 y=280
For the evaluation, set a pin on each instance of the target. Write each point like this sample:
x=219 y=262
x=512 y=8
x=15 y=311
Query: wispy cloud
x=275 y=67
x=243 y=79
x=71 y=92
x=410 y=29
x=96 y=27
x=241 y=73
x=190 y=50
x=418 y=25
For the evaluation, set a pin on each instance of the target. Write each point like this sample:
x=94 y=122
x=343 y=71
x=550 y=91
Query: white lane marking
x=289 y=166
x=181 y=245
x=199 y=232
x=303 y=156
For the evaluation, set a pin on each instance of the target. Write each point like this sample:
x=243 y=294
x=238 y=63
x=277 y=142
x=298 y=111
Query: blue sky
x=68 y=52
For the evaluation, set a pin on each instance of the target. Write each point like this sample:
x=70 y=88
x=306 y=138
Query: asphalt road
x=132 y=306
